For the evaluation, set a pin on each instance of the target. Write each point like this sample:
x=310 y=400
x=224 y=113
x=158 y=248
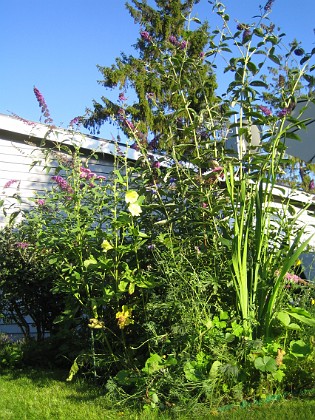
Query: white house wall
x=16 y=159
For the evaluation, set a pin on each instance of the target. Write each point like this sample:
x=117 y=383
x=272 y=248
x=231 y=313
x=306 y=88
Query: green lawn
x=46 y=395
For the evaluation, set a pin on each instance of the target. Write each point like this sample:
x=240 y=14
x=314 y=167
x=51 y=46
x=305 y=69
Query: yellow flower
x=124 y=317
x=106 y=245
x=134 y=209
x=312 y=301
x=131 y=196
x=95 y=323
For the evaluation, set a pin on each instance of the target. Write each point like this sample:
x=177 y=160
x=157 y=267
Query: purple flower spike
x=75 y=121
x=41 y=202
x=9 y=183
x=283 y=112
x=268 y=5
x=265 y=110
x=44 y=108
x=312 y=185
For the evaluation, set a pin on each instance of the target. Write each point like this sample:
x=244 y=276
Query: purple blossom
x=183 y=45
x=268 y=5
x=151 y=246
x=63 y=184
x=75 y=121
x=283 y=112
x=145 y=35
x=42 y=103
x=246 y=36
x=153 y=144
x=202 y=54
x=173 y=40
x=22 y=245
x=265 y=110
x=311 y=185
x=27 y=122
x=9 y=183
x=204 y=205
x=135 y=146
x=101 y=177
x=122 y=97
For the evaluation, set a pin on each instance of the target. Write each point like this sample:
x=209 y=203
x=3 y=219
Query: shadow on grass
x=39 y=377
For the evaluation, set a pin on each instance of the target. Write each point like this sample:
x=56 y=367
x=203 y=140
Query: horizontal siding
x=16 y=159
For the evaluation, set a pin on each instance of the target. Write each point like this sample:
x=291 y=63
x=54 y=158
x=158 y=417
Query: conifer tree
x=170 y=46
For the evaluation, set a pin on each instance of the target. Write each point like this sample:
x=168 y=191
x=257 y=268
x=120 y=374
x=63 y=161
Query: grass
x=31 y=394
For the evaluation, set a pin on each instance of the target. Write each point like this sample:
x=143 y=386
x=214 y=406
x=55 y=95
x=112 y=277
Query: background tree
x=170 y=41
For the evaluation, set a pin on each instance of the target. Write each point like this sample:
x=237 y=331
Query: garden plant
x=177 y=273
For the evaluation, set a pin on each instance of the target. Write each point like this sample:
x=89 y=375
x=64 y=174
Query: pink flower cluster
x=22 y=245
x=41 y=202
x=293 y=277
x=86 y=173
x=122 y=97
x=63 y=184
x=145 y=35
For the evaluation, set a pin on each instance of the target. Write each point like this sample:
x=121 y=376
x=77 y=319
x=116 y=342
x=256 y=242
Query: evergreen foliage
x=170 y=40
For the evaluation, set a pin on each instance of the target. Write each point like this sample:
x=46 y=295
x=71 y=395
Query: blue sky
x=55 y=45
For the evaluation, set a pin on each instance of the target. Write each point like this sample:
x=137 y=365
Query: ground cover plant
x=177 y=276
x=45 y=394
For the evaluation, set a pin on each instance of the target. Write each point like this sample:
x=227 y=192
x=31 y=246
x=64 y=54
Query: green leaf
x=302 y=315
x=90 y=261
x=258 y=83
x=278 y=375
x=73 y=371
x=265 y=364
x=299 y=348
x=291 y=135
x=275 y=59
x=153 y=364
x=284 y=317
x=214 y=371
x=294 y=326
x=122 y=286
x=124 y=377
x=224 y=315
